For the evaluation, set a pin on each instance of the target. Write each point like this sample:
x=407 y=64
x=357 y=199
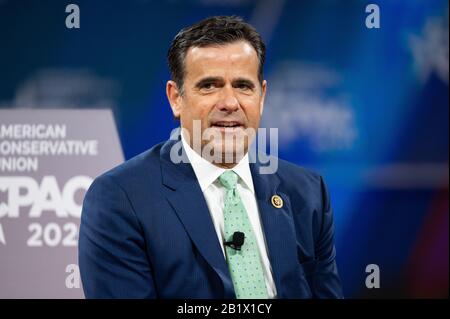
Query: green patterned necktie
x=245 y=265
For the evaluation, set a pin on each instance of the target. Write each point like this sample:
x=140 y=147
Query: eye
x=207 y=86
x=244 y=87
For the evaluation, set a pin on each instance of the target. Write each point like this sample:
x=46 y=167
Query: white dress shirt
x=207 y=175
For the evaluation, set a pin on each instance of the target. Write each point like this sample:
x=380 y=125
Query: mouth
x=227 y=125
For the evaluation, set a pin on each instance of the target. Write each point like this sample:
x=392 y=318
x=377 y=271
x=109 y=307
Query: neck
x=225 y=165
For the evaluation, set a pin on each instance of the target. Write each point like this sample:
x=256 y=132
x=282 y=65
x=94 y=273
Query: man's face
x=221 y=92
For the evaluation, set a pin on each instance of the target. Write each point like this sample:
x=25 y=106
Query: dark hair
x=212 y=31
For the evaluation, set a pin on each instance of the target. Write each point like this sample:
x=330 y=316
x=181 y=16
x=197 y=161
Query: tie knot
x=228 y=179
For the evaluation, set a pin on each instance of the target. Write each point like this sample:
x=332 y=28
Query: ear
x=263 y=96
x=174 y=97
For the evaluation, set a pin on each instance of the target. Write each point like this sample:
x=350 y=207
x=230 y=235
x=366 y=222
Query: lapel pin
x=277 y=202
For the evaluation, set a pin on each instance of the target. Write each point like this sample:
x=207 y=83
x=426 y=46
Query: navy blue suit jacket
x=146 y=232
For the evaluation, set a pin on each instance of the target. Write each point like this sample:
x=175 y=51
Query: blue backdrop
x=367 y=108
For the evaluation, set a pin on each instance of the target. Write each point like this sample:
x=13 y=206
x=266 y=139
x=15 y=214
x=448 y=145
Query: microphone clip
x=237 y=241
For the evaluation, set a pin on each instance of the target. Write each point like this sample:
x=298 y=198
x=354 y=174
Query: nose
x=228 y=101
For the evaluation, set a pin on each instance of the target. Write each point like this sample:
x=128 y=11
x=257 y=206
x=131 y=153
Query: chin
x=232 y=152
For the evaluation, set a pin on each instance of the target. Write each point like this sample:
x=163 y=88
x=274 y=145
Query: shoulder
x=290 y=173
x=302 y=183
x=132 y=172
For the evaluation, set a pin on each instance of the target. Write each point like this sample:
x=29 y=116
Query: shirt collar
x=207 y=173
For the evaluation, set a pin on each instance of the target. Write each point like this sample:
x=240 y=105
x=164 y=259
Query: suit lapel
x=190 y=205
x=279 y=231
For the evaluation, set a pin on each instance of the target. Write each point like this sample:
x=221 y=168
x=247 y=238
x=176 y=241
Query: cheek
x=254 y=121
x=252 y=111
x=198 y=109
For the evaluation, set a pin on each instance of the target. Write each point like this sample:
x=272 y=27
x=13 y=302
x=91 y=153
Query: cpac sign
x=23 y=191
x=44 y=177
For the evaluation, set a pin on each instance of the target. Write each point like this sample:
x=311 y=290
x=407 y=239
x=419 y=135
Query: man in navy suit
x=209 y=226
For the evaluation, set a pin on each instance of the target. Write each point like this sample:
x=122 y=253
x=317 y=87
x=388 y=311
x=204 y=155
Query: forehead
x=236 y=57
